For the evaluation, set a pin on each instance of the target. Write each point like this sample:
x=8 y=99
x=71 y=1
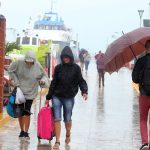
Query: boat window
x=34 y=41
x=18 y=40
x=47 y=27
x=26 y=40
x=55 y=27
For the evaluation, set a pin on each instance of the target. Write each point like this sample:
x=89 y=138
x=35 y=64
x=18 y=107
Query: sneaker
x=26 y=136
x=21 y=135
x=144 y=147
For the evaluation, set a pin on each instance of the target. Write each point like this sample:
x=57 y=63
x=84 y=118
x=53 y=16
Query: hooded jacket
x=27 y=77
x=138 y=72
x=67 y=78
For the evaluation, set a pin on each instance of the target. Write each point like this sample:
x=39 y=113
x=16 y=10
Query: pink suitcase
x=45 y=124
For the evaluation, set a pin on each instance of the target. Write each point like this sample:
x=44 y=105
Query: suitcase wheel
x=39 y=141
x=50 y=142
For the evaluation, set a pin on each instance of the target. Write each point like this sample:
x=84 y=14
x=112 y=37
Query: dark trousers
x=101 y=76
x=86 y=65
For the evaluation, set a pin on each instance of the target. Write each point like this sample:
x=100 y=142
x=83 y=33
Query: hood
x=30 y=55
x=67 y=52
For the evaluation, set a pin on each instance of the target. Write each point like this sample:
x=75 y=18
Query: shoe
x=68 y=139
x=21 y=135
x=26 y=136
x=144 y=147
x=56 y=146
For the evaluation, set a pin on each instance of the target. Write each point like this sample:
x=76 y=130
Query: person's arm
x=12 y=72
x=137 y=71
x=82 y=83
x=44 y=80
x=52 y=85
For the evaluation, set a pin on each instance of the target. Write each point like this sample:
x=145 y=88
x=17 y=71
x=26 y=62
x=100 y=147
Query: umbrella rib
x=123 y=58
x=132 y=52
x=116 y=63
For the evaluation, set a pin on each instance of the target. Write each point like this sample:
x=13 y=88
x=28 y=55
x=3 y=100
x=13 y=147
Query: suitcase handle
x=40 y=97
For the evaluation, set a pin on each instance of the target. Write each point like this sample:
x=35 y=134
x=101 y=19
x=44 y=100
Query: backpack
x=145 y=80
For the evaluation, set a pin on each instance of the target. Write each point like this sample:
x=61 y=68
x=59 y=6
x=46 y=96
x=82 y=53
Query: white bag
x=20 y=99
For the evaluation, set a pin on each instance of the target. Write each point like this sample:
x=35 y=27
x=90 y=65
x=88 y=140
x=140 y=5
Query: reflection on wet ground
x=108 y=120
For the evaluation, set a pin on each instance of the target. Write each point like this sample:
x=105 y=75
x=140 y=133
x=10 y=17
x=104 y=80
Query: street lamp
x=140 y=15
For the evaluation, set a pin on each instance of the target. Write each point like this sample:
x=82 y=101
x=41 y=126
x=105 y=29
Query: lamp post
x=140 y=15
x=48 y=64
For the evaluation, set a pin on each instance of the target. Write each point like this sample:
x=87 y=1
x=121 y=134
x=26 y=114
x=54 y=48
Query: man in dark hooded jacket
x=64 y=87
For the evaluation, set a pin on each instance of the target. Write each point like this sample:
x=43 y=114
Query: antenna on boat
x=52 y=5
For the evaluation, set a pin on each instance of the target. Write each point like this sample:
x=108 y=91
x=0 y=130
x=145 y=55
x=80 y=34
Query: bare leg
x=26 y=123
x=57 y=132
x=21 y=123
x=68 y=132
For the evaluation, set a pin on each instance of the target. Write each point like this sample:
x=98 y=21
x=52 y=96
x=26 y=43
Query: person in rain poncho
x=27 y=74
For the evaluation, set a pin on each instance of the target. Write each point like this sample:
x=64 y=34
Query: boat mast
x=52 y=5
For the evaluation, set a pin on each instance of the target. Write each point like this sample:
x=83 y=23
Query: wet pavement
x=109 y=120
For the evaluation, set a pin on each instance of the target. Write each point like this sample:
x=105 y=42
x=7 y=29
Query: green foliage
x=9 y=47
x=42 y=49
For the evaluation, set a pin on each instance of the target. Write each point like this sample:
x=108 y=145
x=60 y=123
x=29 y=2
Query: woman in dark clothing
x=64 y=87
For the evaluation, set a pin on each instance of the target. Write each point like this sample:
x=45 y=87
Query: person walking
x=27 y=74
x=81 y=59
x=141 y=75
x=100 y=68
x=98 y=55
x=87 y=59
x=63 y=89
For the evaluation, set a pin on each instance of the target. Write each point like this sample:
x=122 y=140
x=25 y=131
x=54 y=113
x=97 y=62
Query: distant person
x=81 y=59
x=98 y=55
x=141 y=75
x=27 y=74
x=63 y=89
x=87 y=59
x=100 y=68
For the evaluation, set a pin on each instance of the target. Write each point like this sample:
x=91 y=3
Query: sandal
x=56 y=146
x=68 y=139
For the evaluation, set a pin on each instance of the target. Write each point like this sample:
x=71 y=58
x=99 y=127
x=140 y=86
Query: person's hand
x=47 y=103
x=85 y=96
x=41 y=82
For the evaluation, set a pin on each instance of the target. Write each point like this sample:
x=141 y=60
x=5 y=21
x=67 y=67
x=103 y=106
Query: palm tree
x=11 y=46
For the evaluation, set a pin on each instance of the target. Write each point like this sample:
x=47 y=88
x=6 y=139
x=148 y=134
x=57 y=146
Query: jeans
x=86 y=65
x=67 y=105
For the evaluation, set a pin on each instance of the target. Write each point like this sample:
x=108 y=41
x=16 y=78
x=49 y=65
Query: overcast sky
x=95 y=21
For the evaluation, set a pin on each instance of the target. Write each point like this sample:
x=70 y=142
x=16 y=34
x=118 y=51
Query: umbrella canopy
x=125 y=49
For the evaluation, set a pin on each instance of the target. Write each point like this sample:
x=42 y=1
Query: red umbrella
x=125 y=49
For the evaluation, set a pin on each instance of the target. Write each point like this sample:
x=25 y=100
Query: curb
x=44 y=91
x=136 y=87
x=4 y=118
